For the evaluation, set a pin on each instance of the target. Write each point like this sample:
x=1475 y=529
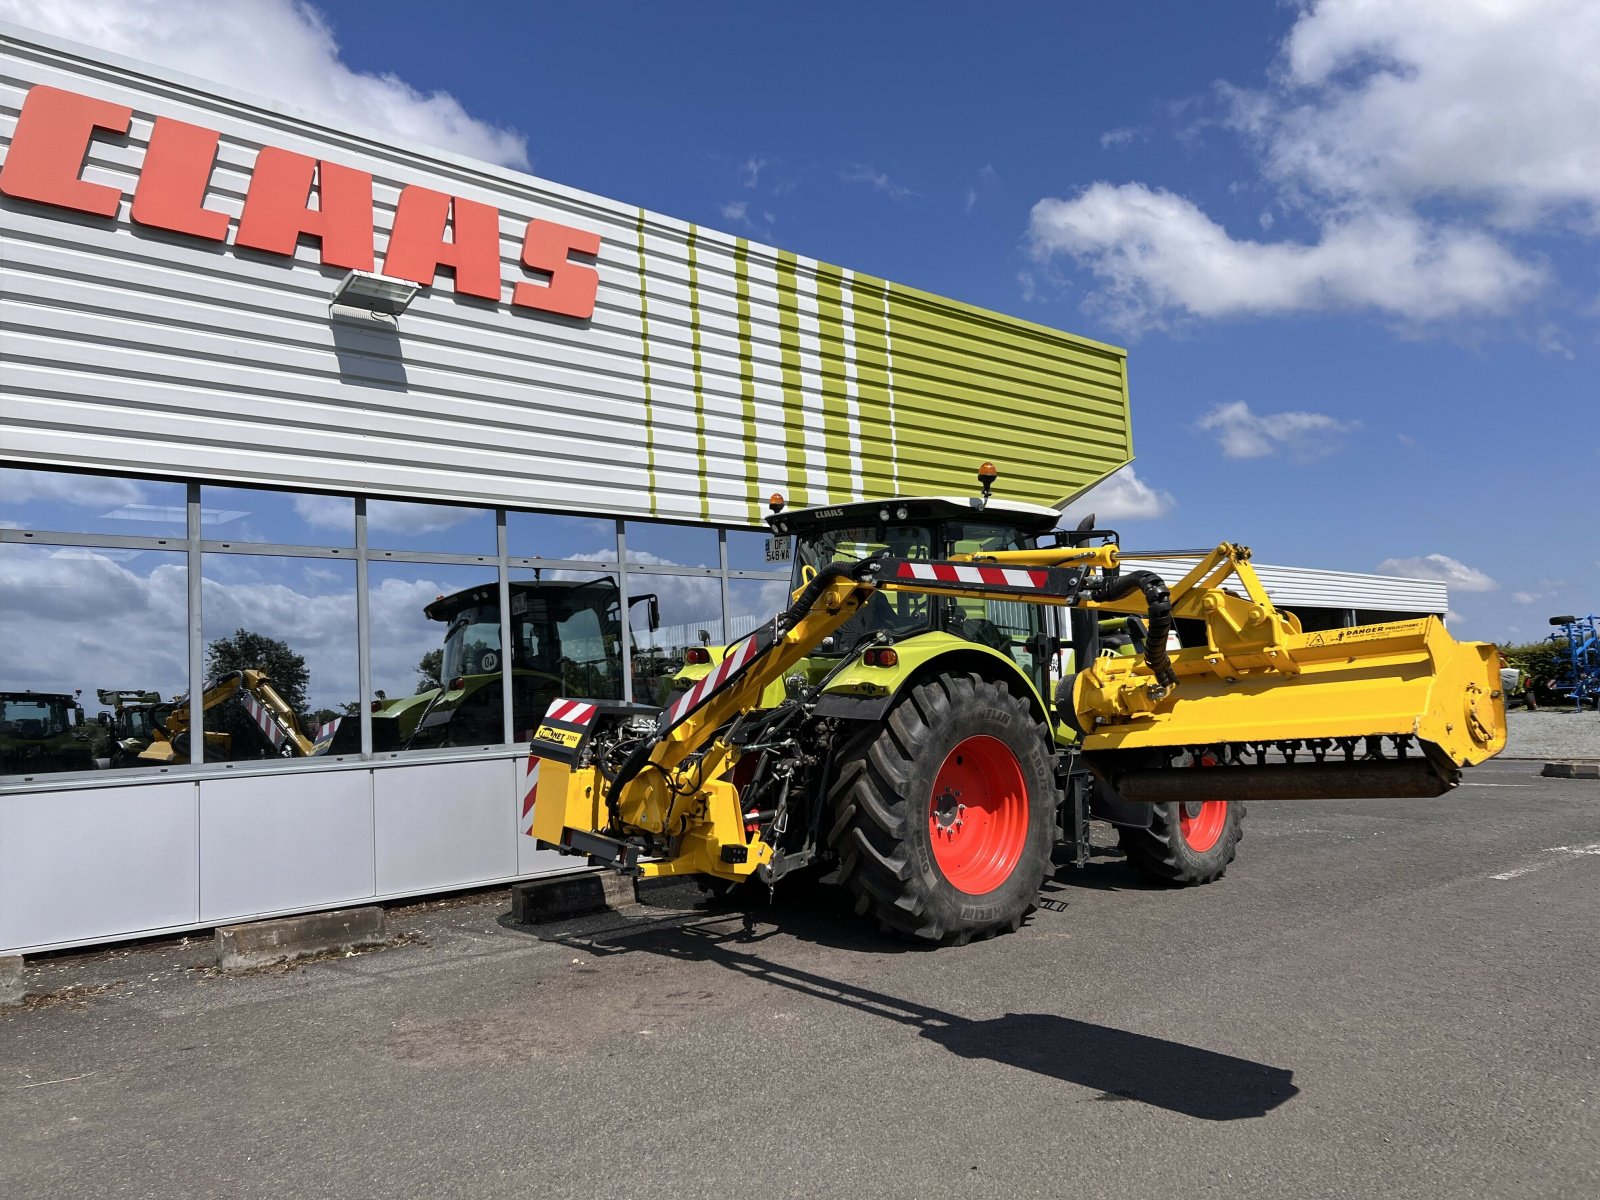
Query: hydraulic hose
x=1159 y=603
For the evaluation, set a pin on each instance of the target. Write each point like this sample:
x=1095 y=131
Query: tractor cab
x=42 y=731
x=566 y=639
x=922 y=528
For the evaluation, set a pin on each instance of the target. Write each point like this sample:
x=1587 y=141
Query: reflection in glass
x=71 y=502
x=690 y=614
x=280 y=657
x=654 y=543
x=82 y=628
x=749 y=550
x=449 y=528
x=436 y=657
x=286 y=518
x=566 y=630
x=547 y=535
x=754 y=602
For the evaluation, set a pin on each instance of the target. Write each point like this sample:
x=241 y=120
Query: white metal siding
x=132 y=349
x=1292 y=587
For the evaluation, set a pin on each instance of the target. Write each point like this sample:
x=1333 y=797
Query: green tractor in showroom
x=43 y=732
x=566 y=638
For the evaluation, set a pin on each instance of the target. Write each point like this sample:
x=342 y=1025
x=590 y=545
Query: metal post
x=363 y=631
x=727 y=607
x=508 y=730
x=627 y=622
x=197 y=639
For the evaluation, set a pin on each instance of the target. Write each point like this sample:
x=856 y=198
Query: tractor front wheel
x=944 y=816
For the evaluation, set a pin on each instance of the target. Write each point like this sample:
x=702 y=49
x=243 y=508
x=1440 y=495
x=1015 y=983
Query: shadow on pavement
x=1117 y=1063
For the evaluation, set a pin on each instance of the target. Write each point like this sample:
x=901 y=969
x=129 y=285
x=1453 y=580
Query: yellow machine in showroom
x=902 y=721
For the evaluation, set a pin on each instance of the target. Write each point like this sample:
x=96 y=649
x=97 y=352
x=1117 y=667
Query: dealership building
x=279 y=394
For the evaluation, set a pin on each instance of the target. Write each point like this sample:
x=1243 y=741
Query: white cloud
x=62 y=487
x=988 y=180
x=1527 y=597
x=1116 y=139
x=1440 y=567
x=1158 y=257
x=278 y=49
x=1245 y=434
x=1122 y=497
x=750 y=172
x=1379 y=119
x=736 y=211
x=383 y=516
x=876 y=180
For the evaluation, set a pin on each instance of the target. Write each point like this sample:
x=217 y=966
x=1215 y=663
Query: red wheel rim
x=1201 y=822
x=978 y=815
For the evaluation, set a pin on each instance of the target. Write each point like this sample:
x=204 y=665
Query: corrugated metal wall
x=1291 y=587
x=712 y=372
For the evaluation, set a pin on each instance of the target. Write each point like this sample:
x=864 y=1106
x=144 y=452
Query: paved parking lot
x=1381 y=999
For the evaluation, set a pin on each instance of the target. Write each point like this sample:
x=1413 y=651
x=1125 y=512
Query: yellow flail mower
x=937 y=709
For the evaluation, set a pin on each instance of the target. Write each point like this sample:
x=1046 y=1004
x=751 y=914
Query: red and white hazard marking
x=265 y=721
x=530 y=792
x=735 y=661
x=573 y=712
x=971 y=573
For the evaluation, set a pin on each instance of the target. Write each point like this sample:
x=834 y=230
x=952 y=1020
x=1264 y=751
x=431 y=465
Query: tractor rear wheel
x=944 y=815
x=1188 y=842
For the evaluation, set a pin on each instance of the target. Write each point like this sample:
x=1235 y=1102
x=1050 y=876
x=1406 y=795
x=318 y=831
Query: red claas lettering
x=291 y=196
x=277 y=209
x=49 y=145
x=173 y=181
x=417 y=247
x=572 y=287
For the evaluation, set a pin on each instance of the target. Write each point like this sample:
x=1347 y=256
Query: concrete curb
x=11 y=989
x=262 y=943
x=579 y=894
x=1572 y=770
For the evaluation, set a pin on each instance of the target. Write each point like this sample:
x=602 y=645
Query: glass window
x=436 y=656
x=898 y=614
x=546 y=535
x=71 y=502
x=566 y=634
x=654 y=543
x=286 y=518
x=280 y=665
x=754 y=602
x=100 y=640
x=445 y=528
x=689 y=613
x=752 y=551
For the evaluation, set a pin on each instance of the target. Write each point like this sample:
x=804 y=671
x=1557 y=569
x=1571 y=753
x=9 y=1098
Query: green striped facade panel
x=769 y=372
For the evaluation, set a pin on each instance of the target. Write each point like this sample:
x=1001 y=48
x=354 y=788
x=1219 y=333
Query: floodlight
x=362 y=296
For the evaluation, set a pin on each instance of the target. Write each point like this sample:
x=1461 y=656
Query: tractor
x=566 y=637
x=922 y=722
x=42 y=731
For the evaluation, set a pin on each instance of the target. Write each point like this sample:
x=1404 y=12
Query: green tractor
x=43 y=732
x=131 y=723
x=566 y=640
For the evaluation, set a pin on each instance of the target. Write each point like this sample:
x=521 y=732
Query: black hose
x=1158 y=601
x=791 y=616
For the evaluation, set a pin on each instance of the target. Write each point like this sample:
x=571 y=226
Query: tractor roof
x=443 y=608
x=1035 y=518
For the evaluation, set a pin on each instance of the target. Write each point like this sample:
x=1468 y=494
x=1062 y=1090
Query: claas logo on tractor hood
x=52 y=141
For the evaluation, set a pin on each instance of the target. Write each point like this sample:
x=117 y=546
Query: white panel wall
x=445 y=824
x=91 y=864
x=1292 y=586
x=76 y=866
x=274 y=842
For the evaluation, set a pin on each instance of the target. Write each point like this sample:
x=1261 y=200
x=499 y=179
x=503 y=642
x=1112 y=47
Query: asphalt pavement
x=1382 y=998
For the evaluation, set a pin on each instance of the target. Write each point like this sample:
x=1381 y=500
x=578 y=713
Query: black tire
x=1163 y=853
x=882 y=801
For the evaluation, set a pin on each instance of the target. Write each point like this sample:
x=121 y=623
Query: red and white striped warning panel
x=733 y=665
x=982 y=577
x=530 y=792
x=566 y=723
x=265 y=721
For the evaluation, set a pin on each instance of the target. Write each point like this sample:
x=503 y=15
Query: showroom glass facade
x=382 y=626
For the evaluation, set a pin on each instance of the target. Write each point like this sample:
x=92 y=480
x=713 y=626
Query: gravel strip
x=1552 y=734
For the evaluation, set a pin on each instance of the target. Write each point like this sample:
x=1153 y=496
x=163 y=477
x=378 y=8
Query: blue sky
x=1351 y=247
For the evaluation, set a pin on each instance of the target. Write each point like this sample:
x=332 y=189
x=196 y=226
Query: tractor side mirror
x=655 y=614
x=77 y=717
x=105 y=720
